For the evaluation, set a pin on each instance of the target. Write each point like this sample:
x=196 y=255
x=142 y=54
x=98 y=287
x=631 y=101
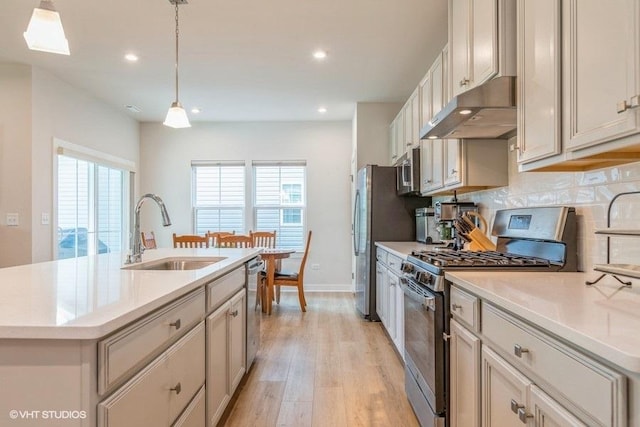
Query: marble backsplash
x=589 y=192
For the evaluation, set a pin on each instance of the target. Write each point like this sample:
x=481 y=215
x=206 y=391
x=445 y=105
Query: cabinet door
x=459 y=35
x=392 y=290
x=416 y=117
x=437 y=85
x=425 y=99
x=400 y=143
x=504 y=391
x=399 y=313
x=218 y=390
x=539 y=85
x=484 y=40
x=393 y=147
x=408 y=123
x=381 y=279
x=452 y=162
x=548 y=413
x=465 y=377
x=600 y=70
x=431 y=165
x=237 y=340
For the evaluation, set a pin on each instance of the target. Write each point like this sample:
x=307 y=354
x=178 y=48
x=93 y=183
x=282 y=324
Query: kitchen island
x=83 y=338
x=577 y=345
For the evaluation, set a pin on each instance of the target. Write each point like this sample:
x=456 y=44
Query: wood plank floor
x=325 y=367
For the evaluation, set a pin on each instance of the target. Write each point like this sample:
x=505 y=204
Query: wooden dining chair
x=263 y=239
x=190 y=241
x=235 y=241
x=149 y=242
x=215 y=235
x=285 y=278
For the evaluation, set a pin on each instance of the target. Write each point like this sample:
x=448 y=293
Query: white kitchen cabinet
x=393 y=146
x=416 y=116
x=195 y=414
x=464 y=377
x=601 y=71
x=382 y=291
x=400 y=131
x=390 y=297
x=225 y=354
x=539 y=82
x=549 y=413
x=481 y=42
x=453 y=172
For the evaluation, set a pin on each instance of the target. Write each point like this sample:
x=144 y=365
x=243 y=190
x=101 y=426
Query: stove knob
x=407 y=268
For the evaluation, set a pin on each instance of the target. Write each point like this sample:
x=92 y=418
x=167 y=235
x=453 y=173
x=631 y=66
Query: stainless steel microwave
x=408 y=173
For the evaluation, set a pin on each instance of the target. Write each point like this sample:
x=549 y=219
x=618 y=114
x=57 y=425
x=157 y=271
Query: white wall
x=589 y=192
x=35 y=108
x=15 y=162
x=165 y=164
x=371 y=130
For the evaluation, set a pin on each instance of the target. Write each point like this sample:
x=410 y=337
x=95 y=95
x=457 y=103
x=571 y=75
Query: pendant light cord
x=177 y=35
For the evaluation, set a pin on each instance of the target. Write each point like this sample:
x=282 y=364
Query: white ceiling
x=241 y=59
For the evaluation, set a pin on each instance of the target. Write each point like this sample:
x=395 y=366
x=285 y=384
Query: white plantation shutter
x=218 y=196
x=280 y=201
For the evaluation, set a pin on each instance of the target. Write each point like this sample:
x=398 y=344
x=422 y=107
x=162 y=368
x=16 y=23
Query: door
x=360 y=240
x=504 y=392
x=381 y=289
x=452 y=162
x=237 y=334
x=464 y=351
x=459 y=35
x=600 y=70
x=484 y=40
x=218 y=393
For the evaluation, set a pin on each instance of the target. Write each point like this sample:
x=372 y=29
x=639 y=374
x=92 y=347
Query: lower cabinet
x=225 y=354
x=195 y=414
x=167 y=385
x=390 y=298
x=382 y=291
x=505 y=372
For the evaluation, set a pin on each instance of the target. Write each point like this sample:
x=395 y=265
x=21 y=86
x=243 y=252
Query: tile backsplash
x=589 y=192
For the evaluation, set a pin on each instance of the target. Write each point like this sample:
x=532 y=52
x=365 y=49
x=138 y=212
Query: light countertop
x=602 y=319
x=402 y=249
x=90 y=297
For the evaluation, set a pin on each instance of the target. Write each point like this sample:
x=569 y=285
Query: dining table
x=272 y=258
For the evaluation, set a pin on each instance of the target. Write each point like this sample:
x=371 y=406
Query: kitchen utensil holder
x=612 y=232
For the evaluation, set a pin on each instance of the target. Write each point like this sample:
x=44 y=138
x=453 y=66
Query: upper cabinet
x=481 y=42
x=579 y=84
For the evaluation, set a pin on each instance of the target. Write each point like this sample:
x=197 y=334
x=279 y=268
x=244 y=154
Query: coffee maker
x=426 y=230
x=445 y=213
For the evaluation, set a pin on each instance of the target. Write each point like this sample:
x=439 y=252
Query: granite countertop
x=402 y=249
x=90 y=297
x=603 y=319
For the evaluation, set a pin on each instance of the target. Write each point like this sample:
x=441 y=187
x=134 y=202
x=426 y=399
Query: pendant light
x=45 y=32
x=177 y=116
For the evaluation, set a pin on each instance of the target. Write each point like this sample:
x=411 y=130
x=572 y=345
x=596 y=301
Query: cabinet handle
x=177 y=388
x=453 y=171
x=633 y=103
x=523 y=415
x=446 y=336
x=176 y=324
x=464 y=82
x=234 y=313
x=518 y=350
x=454 y=307
x=515 y=406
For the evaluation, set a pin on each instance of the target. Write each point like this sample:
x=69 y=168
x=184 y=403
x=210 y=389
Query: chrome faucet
x=137 y=248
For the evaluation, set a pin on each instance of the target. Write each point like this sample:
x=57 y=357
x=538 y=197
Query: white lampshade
x=177 y=117
x=45 y=32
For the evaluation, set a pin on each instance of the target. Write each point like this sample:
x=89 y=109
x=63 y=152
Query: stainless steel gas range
x=528 y=239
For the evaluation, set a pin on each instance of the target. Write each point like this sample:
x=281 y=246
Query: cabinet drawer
x=465 y=308
x=597 y=391
x=195 y=414
x=121 y=354
x=165 y=387
x=220 y=290
x=394 y=263
x=381 y=255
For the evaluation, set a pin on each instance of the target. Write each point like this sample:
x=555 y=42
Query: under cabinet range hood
x=484 y=112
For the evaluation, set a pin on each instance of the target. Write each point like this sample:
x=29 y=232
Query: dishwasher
x=254 y=311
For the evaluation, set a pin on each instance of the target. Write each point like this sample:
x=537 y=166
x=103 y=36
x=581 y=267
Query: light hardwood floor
x=325 y=367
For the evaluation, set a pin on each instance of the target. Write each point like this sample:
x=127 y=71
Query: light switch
x=45 y=218
x=13 y=219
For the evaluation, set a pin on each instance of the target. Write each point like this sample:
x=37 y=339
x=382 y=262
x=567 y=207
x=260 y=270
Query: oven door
x=423 y=341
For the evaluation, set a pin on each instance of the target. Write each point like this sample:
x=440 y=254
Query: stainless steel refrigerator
x=379 y=214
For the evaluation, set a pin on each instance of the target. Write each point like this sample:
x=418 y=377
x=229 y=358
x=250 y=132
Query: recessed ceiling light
x=322 y=110
x=465 y=112
x=131 y=57
x=320 y=54
x=195 y=110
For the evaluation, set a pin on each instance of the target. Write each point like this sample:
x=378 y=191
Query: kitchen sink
x=176 y=263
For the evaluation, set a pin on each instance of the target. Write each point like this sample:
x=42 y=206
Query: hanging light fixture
x=177 y=116
x=45 y=32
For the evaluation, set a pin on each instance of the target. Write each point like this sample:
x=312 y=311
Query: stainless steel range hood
x=484 y=112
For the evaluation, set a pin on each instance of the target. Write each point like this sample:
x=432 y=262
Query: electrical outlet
x=13 y=219
x=315 y=266
x=44 y=219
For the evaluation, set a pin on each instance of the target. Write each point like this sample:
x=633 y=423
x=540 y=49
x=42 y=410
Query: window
x=280 y=200
x=218 y=197
x=91 y=207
